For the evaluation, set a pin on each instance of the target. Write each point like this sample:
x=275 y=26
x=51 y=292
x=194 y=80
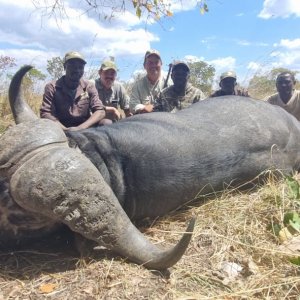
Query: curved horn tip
x=191 y=225
x=17 y=78
x=20 y=109
x=173 y=255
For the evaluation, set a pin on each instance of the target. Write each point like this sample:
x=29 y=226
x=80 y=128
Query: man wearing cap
x=146 y=89
x=228 y=86
x=181 y=94
x=72 y=101
x=112 y=93
x=287 y=97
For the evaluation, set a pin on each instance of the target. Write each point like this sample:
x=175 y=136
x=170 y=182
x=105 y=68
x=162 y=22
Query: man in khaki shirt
x=146 y=89
x=287 y=97
x=111 y=92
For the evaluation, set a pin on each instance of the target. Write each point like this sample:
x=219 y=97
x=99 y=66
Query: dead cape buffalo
x=143 y=166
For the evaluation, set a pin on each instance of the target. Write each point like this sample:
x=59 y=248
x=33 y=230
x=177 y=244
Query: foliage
x=261 y=86
x=5 y=63
x=202 y=75
x=55 y=67
x=30 y=80
x=154 y=9
x=294 y=187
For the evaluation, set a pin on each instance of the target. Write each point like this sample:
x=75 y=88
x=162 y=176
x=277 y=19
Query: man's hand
x=75 y=128
x=143 y=108
x=113 y=111
x=148 y=108
x=128 y=113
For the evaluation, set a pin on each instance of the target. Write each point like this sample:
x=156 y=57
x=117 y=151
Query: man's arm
x=124 y=101
x=47 y=110
x=158 y=104
x=97 y=108
x=134 y=97
x=95 y=118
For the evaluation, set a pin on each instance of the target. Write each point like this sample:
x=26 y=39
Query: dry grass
x=232 y=228
x=6 y=118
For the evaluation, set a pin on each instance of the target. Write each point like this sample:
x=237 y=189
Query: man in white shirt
x=287 y=97
x=146 y=89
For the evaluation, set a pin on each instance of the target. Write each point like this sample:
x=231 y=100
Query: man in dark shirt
x=72 y=101
x=228 y=86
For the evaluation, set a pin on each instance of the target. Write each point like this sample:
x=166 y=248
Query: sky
x=249 y=36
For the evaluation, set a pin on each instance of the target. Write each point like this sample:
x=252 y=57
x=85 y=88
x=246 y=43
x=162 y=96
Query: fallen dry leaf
x=47 y=288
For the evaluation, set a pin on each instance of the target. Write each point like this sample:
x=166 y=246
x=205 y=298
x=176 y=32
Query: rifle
x=166 y=81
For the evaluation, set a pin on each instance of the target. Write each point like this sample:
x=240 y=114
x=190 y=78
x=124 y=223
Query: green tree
x=202 y=75
x=55 y=67
x=261 y=86
x=30 y=81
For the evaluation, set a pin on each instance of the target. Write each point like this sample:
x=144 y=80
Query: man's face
x=153 y=65
x=227 y=84
x=108 y=77
x=74 y=70
x=285 y=84
x=180 y=76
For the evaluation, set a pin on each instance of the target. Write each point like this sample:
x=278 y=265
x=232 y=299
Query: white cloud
x=251 y=43
x=183 y=5
x=193 y=58
x=280 y=8
x=253 y=66
x=244 y=43
x=30 y=38
x=289 y=44
x=223 y=63
x=220 y=64
x=289 y=59
x=287 y=54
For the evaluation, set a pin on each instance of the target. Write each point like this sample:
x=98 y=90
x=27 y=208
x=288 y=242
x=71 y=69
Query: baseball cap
x=108 y=64
x=73 y=55
x=227 y=74
x=152 y=52
x=180 y=63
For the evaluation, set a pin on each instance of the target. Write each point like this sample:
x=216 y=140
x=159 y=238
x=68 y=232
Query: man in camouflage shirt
x=228 y=86
x=181 y=94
